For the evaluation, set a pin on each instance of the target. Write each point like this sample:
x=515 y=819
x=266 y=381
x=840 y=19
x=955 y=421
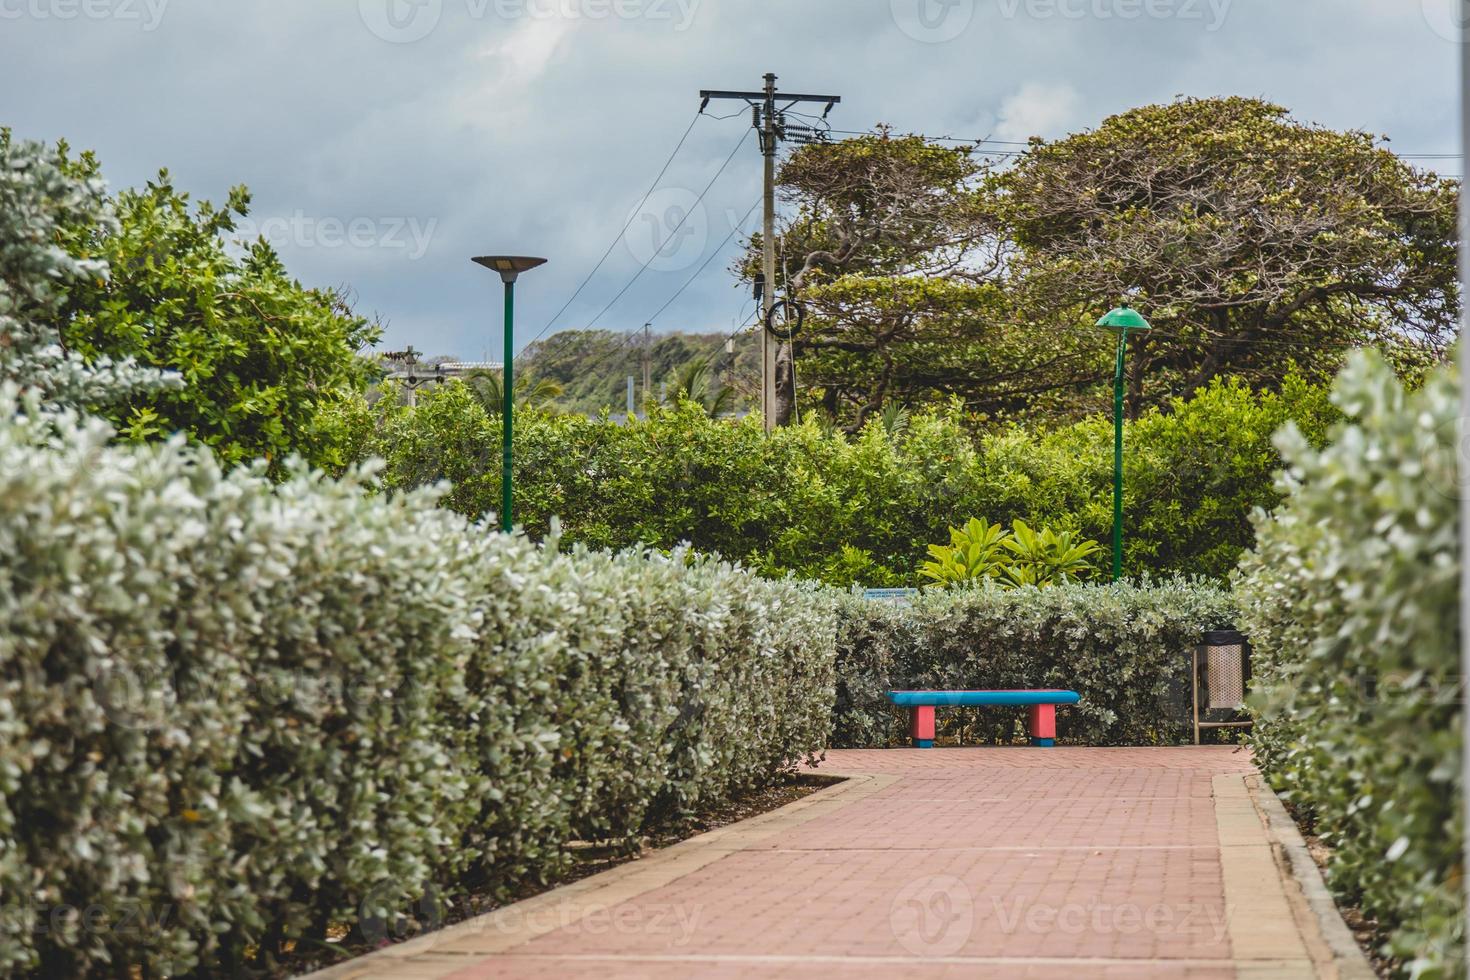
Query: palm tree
x=530 y=392
x=895 y=420
x=694 y=383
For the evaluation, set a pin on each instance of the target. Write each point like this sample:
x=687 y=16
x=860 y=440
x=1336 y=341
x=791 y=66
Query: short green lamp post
x=510 y=267
x=1121 y=320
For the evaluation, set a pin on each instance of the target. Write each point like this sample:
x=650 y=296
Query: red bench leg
x=921 y=726
x=1043 y=725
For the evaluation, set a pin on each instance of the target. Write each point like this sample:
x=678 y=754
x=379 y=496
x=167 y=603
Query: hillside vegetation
x=592 y=367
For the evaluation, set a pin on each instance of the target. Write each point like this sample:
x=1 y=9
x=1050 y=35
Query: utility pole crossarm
x=708 y=93
x=787 y=97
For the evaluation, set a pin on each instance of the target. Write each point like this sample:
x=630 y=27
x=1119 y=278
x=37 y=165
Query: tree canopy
x=1250 y=239
x=1257 y=244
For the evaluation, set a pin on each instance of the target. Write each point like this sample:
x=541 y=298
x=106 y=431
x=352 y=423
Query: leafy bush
x=1193 y=474
x=232 y=713
x=1351 y=603
x=263 y=358
x=135 y=306
x=1124 y=648
x=856 y=509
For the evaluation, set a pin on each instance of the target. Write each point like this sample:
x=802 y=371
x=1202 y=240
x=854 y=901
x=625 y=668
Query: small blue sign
x=890 y=595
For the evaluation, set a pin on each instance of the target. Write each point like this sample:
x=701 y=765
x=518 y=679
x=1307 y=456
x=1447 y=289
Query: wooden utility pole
x=770 y=121
x=768 y=252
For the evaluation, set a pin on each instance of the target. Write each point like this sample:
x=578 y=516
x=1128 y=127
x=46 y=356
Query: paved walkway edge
x=440 y=953
x=1348 y=960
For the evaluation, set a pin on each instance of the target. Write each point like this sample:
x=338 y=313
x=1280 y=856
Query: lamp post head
x=1124 y=318
x=509 y=266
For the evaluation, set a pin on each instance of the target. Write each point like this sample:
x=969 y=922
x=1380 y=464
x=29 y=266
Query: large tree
x=1254 y=242
x=880 y=204
x=1250 y=239
x=876 y=206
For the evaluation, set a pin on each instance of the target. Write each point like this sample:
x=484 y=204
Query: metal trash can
x=1222 y=668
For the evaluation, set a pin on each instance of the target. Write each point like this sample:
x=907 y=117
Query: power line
x=619 y=236
x=644 y=268
x=933 y=139
x=629 y=337
x=704 y=265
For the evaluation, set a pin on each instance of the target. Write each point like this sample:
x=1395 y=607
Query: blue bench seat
x=1041 y=720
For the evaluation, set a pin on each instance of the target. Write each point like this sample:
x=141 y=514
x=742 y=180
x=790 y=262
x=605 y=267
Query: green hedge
x=858 y=509
x=1125 y=648
x=232 y=713
x=1351 y=601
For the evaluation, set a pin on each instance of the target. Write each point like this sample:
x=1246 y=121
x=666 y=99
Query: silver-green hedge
x=1351 y=603
x=232 y=712
x=1125 y=648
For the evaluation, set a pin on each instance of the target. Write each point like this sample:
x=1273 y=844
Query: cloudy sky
x=387 y=141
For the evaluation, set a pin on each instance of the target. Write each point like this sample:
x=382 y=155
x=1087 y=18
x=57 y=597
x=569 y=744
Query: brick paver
x=938 y=863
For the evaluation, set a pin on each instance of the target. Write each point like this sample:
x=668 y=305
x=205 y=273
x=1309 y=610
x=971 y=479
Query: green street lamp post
x=510 y=267
x=1121 y=320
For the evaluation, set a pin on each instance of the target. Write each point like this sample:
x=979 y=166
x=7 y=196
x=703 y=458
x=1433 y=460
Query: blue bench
x=1041 y=721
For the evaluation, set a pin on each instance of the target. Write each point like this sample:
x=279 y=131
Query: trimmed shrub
x=1125 y=648
x=858 y=509
x=1351 y=601
x=233 y=713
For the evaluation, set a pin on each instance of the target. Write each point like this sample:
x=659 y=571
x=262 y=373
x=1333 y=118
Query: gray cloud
x=387 y=141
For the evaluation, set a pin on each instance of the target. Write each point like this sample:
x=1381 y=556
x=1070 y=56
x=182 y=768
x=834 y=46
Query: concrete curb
x=1348 y=960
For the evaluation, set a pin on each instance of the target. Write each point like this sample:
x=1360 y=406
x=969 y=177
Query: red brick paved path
x=973 y=863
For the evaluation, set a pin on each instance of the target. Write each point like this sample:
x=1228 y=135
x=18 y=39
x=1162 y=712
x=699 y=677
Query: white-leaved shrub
x=1351 y=601
x=40 y=201
x=233 y=713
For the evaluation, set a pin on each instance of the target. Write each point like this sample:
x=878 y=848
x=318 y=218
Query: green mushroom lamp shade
x=1124 y=318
